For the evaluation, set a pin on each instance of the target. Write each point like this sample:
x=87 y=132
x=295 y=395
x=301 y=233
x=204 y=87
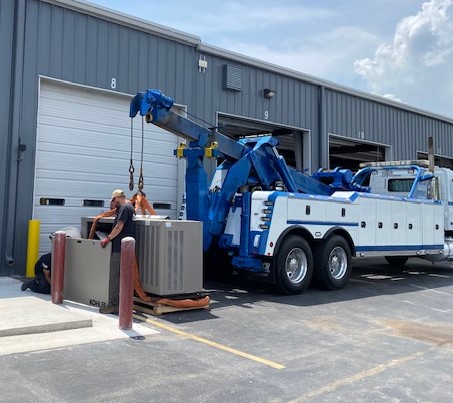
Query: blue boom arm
x=248 y=162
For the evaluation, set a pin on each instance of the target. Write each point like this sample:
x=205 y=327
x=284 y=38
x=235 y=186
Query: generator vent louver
x=169 y=255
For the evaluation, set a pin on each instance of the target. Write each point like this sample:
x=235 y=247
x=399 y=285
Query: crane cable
x=140 y=179
x=131 y=166
x=141 y=182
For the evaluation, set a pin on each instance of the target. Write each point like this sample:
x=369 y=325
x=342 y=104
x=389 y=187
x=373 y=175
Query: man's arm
x=116 y=230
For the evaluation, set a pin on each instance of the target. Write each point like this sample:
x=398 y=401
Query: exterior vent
x=232 y=77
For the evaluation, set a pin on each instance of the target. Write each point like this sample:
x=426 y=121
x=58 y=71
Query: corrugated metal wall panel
x=87 y=50
x=295 y=103
x=6 y=62
x=406 y=131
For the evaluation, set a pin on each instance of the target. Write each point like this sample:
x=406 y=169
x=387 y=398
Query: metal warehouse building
x=69 y=69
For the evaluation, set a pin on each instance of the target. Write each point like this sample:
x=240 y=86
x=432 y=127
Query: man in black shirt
x=43 y=267
x=41 y=282
x=123 y=226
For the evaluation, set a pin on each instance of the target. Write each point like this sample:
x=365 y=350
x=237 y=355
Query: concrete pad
x=30 y=315
x=26 y=317
x=25 y=312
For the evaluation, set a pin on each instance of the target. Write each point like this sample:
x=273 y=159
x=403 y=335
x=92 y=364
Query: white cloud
x=393 y=97
x=417 y=65
x=318 y=55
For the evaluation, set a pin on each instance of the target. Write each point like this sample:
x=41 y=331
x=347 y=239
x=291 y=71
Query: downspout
x=14 y=149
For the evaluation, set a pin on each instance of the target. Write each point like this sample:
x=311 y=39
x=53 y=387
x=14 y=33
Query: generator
x=169 y=253
x=170 y=257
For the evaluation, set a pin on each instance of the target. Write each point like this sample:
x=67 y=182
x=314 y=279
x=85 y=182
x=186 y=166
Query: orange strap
x=109 y=213
x=138 y=285
x=141 y=202
x=185 y=303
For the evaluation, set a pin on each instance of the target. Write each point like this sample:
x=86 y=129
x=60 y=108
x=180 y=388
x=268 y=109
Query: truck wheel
x=333 y=267
x=396 y=260
x=293 y=266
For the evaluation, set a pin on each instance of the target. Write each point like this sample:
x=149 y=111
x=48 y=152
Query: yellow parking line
x=331 y=387
x=212 y=343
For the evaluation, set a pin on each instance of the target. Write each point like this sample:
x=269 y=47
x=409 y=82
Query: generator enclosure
x=170 y=256
x=87 y=272
x=169 y=253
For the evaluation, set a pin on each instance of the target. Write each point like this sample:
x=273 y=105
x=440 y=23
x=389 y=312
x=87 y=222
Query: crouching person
x=41 y=282
x=43 y=267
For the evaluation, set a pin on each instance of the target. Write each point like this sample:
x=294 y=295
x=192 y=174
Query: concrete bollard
x=126 y=282
x=57 y=276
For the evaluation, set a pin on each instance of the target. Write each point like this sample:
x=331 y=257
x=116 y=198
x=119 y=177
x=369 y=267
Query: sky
x=399 y=49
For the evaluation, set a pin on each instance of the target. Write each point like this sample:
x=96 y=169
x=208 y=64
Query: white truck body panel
x=381 y=183
x=378 y=225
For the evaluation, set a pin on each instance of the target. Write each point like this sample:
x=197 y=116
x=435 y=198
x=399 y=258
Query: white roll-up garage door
x=83 y=154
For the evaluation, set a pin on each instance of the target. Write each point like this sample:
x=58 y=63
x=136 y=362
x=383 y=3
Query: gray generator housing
x=169 y=253
x=86 y=272
x=170 y=256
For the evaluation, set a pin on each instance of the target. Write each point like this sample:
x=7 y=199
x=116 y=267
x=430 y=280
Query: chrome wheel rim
x=338 y=263
x=296 y=265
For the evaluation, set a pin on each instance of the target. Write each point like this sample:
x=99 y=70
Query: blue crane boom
x=250 y=163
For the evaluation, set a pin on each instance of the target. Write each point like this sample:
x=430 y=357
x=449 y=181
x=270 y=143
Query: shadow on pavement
x=370 y=278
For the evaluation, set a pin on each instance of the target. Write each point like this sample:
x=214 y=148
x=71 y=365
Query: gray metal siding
x=295 y=103
x=79 y=48
x=6 y=147
x=406 y=131
x=75 y=47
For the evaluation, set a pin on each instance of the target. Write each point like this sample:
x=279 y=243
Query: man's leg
x=114 y=285
x=43 y=287
x=40 y=285
x=28 y=283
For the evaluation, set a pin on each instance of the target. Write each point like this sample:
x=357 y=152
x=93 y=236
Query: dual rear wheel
x=294 y=266
x=333 y=263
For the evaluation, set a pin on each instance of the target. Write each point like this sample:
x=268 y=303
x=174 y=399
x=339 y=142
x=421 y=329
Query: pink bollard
x=57 y=276
x=126 y=282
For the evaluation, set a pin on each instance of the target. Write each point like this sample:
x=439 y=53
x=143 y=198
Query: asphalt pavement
x=387 y=337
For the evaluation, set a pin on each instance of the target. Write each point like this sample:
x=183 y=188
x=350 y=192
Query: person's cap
x=118 y=193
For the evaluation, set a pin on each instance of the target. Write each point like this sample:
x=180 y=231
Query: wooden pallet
x=156 y=309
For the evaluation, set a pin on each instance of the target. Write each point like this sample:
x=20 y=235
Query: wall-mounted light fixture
x=267 y=93
x=202 y=64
